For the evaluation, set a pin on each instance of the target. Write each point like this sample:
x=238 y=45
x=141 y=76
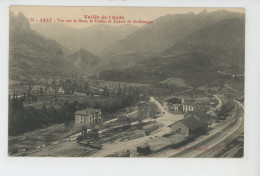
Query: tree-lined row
x=23 y=119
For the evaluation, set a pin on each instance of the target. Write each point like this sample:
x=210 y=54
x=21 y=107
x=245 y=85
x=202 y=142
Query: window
x=178 y=130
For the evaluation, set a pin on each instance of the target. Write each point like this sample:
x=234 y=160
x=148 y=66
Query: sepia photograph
x=138 y=82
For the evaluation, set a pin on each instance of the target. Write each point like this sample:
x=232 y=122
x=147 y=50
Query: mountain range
x=196 y=59
x=93 y=39
x=190 y=48
x=163 y=33
x=85 y=61
x=33 y=54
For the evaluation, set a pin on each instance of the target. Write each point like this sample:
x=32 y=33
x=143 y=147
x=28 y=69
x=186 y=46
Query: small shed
x=143 y=149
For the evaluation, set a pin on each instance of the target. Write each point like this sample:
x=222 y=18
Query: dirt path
x=227 y=86
x=182 y=91
x=219 y=101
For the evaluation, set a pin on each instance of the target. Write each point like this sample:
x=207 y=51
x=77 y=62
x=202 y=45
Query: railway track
x=229 y=139
x=223 y=143
x=210 y=139
x=230 y=153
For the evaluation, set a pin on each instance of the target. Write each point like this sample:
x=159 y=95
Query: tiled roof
x=199 y=115
x=177 y=105
x=194 y=120
x=191 y=123
x=202 y=116
x=174 y=100
x=189 y=102
x=171 y=97
x=88 y=111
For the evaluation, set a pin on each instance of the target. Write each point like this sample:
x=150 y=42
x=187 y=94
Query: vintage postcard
x=126 y=82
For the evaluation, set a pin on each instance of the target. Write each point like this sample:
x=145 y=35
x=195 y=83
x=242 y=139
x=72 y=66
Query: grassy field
x=16 y=86
x=113 y=84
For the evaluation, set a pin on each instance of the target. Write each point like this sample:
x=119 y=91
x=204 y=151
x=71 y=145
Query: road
x=227 y=86
x=216 y=141
x=219 y=101
x=164 y=121
x=213 y=143
x=217 y=138
x=65 y=146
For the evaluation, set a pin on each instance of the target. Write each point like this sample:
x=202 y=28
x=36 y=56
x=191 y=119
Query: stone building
x=88 y=116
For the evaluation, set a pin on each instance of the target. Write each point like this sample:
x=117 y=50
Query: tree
x=86 y=88
x=105 y=92
x=41 y=90
x=225 y=108
x=119 y=90
x=67 y=86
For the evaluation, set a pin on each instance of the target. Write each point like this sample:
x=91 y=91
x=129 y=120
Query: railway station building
x=194 y=123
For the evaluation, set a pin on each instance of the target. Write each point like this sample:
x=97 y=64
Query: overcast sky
x=130 y=13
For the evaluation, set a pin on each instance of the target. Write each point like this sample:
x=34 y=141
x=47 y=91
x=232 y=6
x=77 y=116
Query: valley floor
x=160 y=143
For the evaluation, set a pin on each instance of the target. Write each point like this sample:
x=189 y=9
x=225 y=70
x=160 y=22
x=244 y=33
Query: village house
x=88 y=116
x=174 y=100
x=188 y=106
x=174 y=104
x=179 y=105
x=38 y=89
x=42 y=80
x=61 y=90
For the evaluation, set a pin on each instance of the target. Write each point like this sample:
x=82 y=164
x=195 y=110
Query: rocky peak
x=19 y=22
